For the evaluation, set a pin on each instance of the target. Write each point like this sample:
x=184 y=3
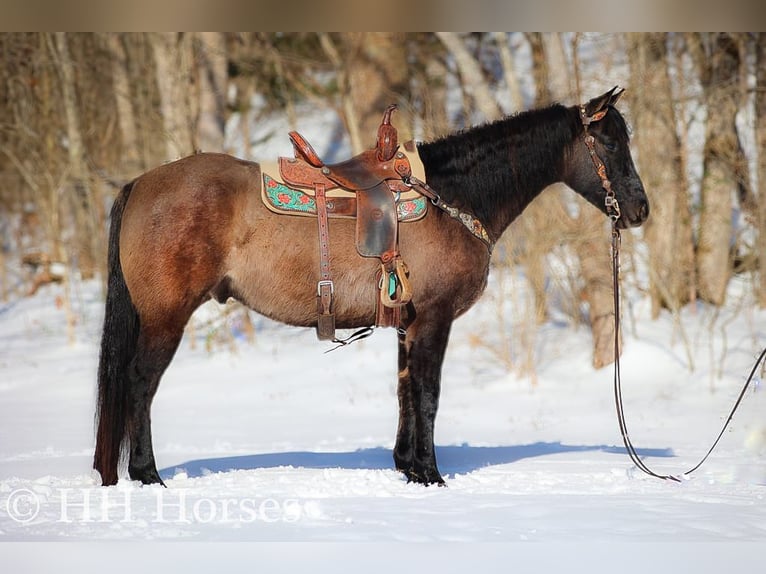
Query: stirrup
x=395 y=289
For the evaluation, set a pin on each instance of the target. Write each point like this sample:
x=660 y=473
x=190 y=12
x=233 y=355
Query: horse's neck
x=496 y=171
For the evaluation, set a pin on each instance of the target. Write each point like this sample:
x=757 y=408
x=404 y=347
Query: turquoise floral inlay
x=285 y=198
x=411 y=209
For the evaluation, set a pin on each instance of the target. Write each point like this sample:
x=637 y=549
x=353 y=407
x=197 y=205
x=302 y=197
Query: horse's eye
x=611 y=147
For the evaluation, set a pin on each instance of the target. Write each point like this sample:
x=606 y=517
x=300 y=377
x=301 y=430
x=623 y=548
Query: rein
x=618 y=383
x=613 y=211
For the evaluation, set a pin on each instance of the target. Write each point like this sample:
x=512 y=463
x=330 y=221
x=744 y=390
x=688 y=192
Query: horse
x=195 y=229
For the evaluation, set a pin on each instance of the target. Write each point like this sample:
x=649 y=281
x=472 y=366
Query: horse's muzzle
x=633 y=215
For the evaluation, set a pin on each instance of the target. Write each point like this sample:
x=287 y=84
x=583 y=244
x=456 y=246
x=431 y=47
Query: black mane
x=501 y=165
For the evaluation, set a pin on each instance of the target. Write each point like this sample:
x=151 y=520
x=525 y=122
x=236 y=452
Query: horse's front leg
x=421 y=353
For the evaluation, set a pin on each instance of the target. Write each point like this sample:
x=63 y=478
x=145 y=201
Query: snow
x=278 y=441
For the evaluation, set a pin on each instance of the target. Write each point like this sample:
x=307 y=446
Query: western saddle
x=376 y=177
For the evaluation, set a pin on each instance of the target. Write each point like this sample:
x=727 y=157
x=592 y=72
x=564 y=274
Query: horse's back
x=197 y=173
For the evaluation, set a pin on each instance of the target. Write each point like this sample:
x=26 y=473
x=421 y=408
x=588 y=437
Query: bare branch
x=474 y=81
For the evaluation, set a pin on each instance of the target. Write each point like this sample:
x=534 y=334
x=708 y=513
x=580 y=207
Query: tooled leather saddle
x=371 y=187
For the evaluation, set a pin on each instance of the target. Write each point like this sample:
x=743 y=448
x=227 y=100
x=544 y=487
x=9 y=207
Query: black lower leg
x=404 y=450
x=142 y=465
x=146 y=372
x=424 y=361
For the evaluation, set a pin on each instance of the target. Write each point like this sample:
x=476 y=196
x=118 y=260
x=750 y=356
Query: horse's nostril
x=643 y=211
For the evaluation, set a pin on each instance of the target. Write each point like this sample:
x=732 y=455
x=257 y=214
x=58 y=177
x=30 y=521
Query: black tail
x=118 y=347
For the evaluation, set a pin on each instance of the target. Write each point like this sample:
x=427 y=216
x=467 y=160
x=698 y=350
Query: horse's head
x=609 y=146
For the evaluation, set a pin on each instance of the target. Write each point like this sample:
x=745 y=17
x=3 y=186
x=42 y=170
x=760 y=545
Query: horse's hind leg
x=153 y=355
x=421 y=353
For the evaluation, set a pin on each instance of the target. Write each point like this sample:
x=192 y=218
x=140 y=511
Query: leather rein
x=613 y=211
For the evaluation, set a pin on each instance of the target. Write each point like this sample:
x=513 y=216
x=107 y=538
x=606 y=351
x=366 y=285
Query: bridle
x=613 y=211
x=610 y=200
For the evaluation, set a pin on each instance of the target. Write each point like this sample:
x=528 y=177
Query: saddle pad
x=283 y=199
x=280 y=198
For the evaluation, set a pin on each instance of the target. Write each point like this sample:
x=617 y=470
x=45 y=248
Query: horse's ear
x=616 y=95
x=601 y=102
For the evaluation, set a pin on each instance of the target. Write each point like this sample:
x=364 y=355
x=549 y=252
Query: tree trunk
x=509 y=72
x=537 y=216
x=348 y=111
x=722 y=155
x=173 y=58
x=432 y=91
x=540 y=70
x=559 y=74
x=760 y=118
x=126 y=117
x=372 y=73
x=592 y=252
x=668 y=232
x=472 y=76
x=83 y=194
x=379 y=76
x=145 y=98
x=211 y=64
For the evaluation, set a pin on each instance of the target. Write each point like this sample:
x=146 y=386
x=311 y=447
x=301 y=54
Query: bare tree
x=349 y=112
x=540 y=69
x=718 y=62
x=146 y=99
x=668 y=232
x=471 y=74
x=509 y=71
x=429 y=86
x=372 y=73
x=173 y=57
x=760 y=114
x=83 y=195
x=536 y=246
x=211 y=62
x=126 y=117
x=378 y=76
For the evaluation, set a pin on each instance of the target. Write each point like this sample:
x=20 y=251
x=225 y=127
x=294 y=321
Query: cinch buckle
x=322 y=284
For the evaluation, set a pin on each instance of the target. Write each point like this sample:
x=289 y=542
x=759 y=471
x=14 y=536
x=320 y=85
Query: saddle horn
x=387 y=143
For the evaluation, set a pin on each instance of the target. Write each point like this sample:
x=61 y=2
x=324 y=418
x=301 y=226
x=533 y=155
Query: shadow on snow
x=452 y=459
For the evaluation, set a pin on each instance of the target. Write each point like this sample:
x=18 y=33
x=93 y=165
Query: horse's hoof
x=105 y=479
x=146 y=476
x=426 y=478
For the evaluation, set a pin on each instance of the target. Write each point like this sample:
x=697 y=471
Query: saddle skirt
x=282 y=198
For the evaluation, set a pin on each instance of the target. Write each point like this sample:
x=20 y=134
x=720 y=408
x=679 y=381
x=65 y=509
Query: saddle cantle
x=374 y=188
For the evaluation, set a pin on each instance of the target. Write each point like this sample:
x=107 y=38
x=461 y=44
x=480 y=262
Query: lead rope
x=618 y=383
x=613 y=211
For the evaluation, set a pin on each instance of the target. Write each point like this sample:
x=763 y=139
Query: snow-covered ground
x=277 y=441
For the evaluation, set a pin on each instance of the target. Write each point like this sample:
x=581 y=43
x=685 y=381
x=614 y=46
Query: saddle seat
x=363 y=171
